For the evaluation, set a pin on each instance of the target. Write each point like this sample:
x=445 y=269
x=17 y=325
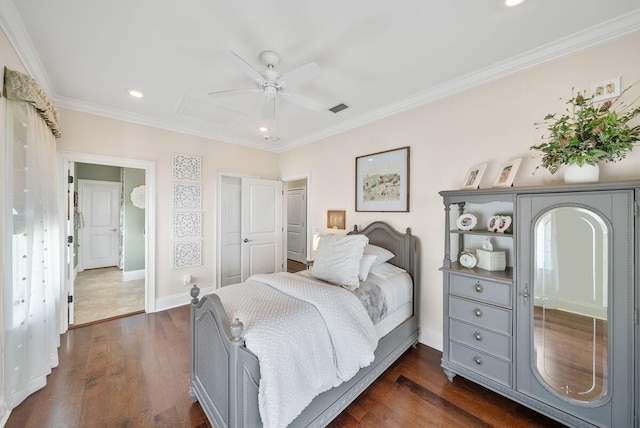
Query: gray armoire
x=557 y=328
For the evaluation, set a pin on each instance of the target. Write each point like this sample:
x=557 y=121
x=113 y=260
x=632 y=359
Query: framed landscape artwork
x=382 y=181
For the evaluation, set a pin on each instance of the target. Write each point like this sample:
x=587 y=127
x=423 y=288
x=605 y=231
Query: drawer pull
x=478 y=287
x=477 y=336
x=477 y=312
x=477 y=360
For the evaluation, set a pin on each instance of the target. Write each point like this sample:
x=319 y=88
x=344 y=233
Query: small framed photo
x=474 y=175
x=336 y=219
x=507 y=172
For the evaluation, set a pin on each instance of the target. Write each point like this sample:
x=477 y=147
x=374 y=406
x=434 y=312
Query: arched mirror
x=570 y=290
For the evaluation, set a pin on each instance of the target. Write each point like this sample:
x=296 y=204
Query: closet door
x=575 y=304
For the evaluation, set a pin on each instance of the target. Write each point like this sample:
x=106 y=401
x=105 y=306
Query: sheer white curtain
x=32 y=264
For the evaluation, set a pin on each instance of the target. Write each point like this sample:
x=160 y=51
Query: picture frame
x=382 y=181
x=336 y=219
x=507 y=172
x=474 y=176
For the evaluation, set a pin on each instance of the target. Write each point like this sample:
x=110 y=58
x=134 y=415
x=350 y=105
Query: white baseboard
x=133 y=275
x=431 y=338
x=168 y=302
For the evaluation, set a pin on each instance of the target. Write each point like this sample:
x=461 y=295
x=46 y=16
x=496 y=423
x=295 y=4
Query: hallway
x=101 y=294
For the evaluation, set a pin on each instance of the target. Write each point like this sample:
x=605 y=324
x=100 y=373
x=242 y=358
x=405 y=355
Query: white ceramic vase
x=581 y=174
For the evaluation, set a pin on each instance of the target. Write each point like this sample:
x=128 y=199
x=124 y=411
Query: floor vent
x=339 y=108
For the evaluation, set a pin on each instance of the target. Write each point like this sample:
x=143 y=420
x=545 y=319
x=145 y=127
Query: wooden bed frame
x=225 y=375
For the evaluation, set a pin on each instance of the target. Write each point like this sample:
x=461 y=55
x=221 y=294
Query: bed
x=225 y=374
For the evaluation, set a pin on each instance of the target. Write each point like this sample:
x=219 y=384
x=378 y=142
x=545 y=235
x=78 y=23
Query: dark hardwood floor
x=134 y=372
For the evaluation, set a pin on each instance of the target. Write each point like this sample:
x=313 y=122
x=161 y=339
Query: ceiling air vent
x=339 y=108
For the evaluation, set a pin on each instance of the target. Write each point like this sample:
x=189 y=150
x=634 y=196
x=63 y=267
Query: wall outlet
x=606 y=89
x=187 y=279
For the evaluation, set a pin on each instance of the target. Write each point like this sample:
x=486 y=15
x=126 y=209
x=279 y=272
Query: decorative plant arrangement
x=589 y=132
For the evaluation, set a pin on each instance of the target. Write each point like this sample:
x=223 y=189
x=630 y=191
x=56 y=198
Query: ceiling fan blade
x=300 y=75
x=303 y=101
x=269 y=109
x=233 y=92
x=247 y=68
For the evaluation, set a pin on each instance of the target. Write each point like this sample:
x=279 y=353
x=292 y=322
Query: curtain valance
x=21 y=87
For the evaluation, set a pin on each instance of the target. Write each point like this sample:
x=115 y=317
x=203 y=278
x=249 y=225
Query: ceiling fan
x=271 y=84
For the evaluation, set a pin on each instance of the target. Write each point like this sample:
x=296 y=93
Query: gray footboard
x=225 y=376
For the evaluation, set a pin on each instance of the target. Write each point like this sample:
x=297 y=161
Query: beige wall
x=96 y=135
x=491 y=123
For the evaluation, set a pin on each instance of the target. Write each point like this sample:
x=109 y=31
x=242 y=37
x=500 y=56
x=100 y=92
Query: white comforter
x=308 y=336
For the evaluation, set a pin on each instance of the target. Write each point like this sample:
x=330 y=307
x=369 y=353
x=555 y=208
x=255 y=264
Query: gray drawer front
x=481 y=363
x=481 y=289
x=477 y=337
x=477 y=313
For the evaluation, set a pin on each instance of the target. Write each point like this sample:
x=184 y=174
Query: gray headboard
x=403 y=245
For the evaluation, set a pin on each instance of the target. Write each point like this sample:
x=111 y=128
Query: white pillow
x=365 y=266
x=386 y=270
x=337 y=259
x=382 y=255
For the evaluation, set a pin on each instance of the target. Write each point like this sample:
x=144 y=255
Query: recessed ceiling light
x=511 y=3
x=135 y=93
x=263 y=129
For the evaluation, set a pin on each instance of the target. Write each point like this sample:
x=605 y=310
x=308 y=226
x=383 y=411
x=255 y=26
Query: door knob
x=246 y=240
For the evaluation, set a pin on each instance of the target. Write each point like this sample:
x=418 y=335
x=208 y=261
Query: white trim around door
x=150 y=216
x=306 y=175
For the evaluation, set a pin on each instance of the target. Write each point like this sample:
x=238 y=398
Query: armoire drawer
x=481 y=289
x=486 y=316
x=481 y=363
x=480 y=338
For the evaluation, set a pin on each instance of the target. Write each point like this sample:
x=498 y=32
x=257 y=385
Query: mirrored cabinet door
x=575 y=304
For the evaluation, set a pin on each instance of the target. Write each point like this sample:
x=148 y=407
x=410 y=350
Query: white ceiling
x=378 y=57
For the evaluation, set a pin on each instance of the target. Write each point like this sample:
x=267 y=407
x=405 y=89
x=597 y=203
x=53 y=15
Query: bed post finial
x=194 y=293
x=355 y=228
x=408 y=231
x=237 y=328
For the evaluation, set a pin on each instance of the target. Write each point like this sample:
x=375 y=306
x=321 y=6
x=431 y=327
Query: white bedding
x=398 y=291
x=292 y=309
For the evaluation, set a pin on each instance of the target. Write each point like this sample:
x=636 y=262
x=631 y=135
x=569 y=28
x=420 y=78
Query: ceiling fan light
x=270 y=91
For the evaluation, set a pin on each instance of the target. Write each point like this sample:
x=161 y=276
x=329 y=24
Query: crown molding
x=170 y=124
x=12 y=26
x=585 y=39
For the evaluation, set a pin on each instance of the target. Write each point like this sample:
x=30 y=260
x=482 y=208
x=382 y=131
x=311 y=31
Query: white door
x=261 y=226
x=230 y=230
x=296 y=224
x=100 y=208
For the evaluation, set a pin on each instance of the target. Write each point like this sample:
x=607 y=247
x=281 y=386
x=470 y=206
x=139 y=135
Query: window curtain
x=32 y=278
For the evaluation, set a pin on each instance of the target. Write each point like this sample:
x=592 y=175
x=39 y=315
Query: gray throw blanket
x=373 y=300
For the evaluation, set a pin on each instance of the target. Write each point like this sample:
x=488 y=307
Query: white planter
x=581 y=174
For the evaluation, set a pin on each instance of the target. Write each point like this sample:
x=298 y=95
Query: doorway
x=249 y=226
x=145 y=275
x=298 y=230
